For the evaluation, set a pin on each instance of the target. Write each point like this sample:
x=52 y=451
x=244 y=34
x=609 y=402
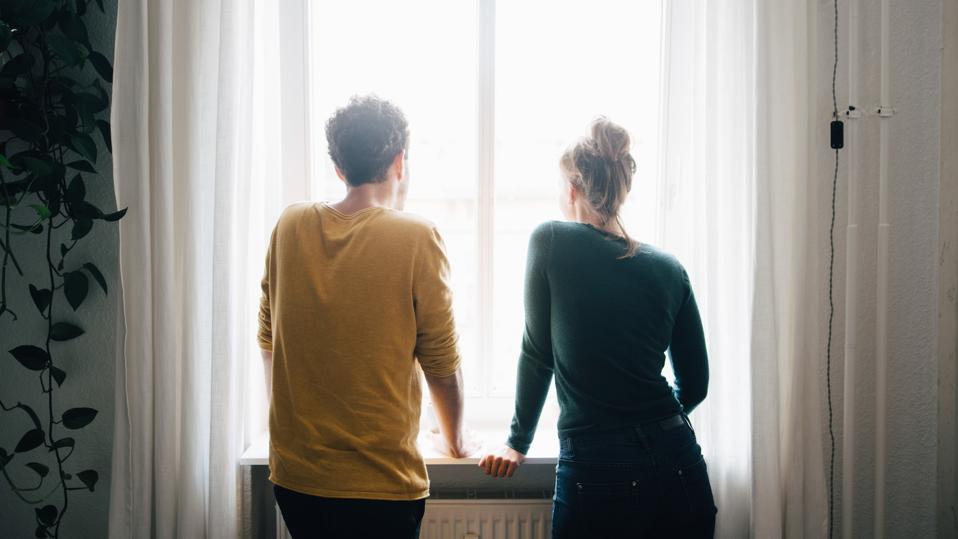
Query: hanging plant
x=51 y=112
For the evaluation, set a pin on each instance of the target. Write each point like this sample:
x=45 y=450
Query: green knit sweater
x=602 y=325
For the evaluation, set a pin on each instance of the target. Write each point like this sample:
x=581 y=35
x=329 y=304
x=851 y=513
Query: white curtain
x=736 y=145
x=706 y=220
x=788 y=321
x=181 y=139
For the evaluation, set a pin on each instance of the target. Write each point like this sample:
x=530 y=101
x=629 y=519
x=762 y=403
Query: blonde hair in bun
x=601 y=167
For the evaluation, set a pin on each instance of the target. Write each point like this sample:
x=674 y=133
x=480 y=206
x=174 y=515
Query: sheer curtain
x=788 y=319
x=181 y=140
x=736 y=209
x=706 y=220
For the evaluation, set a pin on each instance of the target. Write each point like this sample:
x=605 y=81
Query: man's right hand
x=467 y=446
x=447 y=401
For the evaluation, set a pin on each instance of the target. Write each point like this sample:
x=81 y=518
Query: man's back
x=349 y=303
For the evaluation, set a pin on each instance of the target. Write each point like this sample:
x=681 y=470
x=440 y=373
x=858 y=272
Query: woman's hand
x=502 y=464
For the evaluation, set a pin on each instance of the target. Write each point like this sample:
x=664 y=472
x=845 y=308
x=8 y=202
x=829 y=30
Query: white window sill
x=544 y=450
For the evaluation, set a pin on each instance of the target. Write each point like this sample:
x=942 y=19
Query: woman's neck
x=584 y=216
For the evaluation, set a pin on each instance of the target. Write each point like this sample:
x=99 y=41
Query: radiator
x=477 y=519
x=487 y=519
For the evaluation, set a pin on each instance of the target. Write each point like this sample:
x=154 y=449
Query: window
x=494 y=92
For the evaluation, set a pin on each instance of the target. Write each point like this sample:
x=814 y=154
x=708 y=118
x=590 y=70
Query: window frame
x=298 y=162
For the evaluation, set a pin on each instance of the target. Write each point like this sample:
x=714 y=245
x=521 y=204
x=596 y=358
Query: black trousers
x=309 y=517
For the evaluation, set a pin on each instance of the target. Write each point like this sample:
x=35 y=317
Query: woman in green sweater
x=602 y=311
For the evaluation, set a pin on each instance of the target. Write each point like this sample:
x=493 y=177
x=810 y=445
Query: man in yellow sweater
x=355 y=301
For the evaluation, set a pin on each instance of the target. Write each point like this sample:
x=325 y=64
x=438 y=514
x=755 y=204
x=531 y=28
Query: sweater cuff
x=519 y=443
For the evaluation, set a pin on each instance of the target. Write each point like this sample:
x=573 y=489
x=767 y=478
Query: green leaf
x=26 y=129
x=97 y=276
x=76 y=190
x=82 y=166
x=42 y=211
x=81 y=227
x=75 y=286
x=5 y=36
x=90 y=102
x=104 y=128
x=74 y=28
x=4 y=162
x=77 y=418
x=29 y=12
x=63 y=442
x=19 y=65
x=84 y=145
x=58 y=375
x=115 y=216
x=47 y=515
x=63 y=331
x=43 y=168
x=31 y=440
x=31 y=357
x=41 y=470
x=41 y=298
x=89 y=478
x=35 y=229
x=85 y=210
x=65 y=49
x=102 y=66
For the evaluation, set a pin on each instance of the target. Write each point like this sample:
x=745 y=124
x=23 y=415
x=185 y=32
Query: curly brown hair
x=365 y=137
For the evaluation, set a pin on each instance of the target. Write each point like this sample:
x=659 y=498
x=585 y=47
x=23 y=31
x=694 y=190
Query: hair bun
x=611 y=139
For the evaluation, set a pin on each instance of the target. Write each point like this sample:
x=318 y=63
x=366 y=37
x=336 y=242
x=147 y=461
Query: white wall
x=913 y=175
x=87 y=360
x=948 y=282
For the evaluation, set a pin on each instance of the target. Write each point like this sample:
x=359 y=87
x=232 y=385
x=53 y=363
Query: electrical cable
x=836 y=145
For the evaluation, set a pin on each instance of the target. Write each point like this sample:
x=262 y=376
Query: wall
x=87 y=360
x=913 y=213
x=948 y=281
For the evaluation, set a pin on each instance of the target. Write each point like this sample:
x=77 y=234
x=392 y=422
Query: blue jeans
x=643 y=481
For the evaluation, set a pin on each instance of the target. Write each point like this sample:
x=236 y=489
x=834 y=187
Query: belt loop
x=566 y=447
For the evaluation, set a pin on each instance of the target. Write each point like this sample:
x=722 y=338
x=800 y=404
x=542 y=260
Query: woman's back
x=603 y=324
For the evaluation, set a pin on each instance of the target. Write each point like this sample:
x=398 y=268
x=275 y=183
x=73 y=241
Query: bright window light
x=557 y=65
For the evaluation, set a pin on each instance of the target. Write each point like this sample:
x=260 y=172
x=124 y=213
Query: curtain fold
x=706 y=219
x=182 y=80
x=738 y=208
x=789 y=495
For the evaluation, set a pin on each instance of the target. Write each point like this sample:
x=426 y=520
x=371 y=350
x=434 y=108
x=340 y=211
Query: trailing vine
x=51 y=108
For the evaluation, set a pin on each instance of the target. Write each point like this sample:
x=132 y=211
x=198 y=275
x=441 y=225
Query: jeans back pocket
x=697 y=488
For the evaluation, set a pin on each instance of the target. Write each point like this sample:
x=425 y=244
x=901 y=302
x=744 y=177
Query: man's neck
x=370 y=195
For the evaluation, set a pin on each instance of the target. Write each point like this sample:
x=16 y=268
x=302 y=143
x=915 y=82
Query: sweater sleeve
x=536 y=362
x=688 y=354
x=437 y=345
x=265 y=334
